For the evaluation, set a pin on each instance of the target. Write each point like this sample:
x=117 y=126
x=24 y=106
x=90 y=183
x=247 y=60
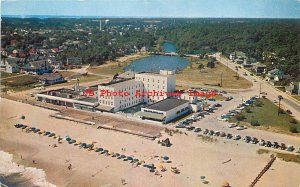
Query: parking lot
x=215 y=124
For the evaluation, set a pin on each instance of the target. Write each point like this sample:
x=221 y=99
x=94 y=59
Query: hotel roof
x=166 y=104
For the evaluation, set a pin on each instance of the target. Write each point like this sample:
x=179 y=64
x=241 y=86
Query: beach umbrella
x=159 y=166
x=78 y=142
x=166 y=158
x=110 y=153
x=225 y=184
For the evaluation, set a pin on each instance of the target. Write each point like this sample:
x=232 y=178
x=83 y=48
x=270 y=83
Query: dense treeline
x=255 y=37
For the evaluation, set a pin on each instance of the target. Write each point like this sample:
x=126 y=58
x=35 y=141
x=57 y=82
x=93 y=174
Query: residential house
x=293 y=88
x=275 y=75
x=74 y=61
x=259 y=68
x=51 y=78
x=38 y=67
x=11 y=67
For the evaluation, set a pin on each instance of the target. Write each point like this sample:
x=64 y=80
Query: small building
x=165 y=110
x=275 y=75
x=38 y=67
x=76 y=61
x=293 y=88
x=51 y=78
x=68 y=98
x=12 y=68
x=259 y=68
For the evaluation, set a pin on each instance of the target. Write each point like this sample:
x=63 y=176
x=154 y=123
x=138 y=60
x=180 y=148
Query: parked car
x=289 y=112
x=247 y=139
x=268 y=144
x=218 y=105
x=237 y=137
x=232 y=125
x=282 y=146
x=241 y=127
x=262 y=142
x=254 y=140
x=290 y=148
x=275 y=145
x=217 y=133
x=198 y=129
x=223 y=134
x=190 y=128
x=275 y=101
x=211 y=132
x=229 y=136
x=205 y=131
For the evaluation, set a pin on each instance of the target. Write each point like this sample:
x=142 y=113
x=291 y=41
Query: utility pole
x=221 y=79
x=279 y=99
x=259 y=90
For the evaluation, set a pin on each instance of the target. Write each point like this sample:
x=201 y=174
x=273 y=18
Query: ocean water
x=15 y=175
x=15 y=180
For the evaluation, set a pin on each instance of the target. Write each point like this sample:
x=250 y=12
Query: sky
x=155 y=8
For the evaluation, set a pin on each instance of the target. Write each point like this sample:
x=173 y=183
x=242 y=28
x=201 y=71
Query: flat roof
x=88 y=99
x=166 y=104
x=117 y=83
x=155 y=74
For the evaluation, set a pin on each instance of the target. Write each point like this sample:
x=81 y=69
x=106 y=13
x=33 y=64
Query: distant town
x=150 y=101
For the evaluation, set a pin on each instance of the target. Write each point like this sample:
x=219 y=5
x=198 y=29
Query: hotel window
x=148 y=80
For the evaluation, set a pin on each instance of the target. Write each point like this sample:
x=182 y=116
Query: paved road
x=287 y=103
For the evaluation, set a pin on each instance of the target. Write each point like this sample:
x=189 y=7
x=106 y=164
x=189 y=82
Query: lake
x=159 y=62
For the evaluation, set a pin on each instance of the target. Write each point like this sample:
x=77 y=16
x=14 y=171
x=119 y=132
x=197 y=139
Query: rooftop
x=166 y=104
x=117 y=83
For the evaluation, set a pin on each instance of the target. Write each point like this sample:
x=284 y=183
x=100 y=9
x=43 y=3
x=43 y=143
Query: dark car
x=247 y=139
x=198 y=129
x=36 y=130
x=205 y=131
x=268 y=144
x=275 y=145
x=228 y=136
x=190 y=128
x=282 y=146
x=218 y=105
x=289 y=112
x=211 y=132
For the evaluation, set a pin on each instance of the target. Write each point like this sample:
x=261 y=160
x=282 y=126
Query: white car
x=241 y=127
x=222 y=119
x=275 y=101
x=231 y=125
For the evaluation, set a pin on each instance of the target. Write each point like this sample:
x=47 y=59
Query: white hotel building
x=165 y=81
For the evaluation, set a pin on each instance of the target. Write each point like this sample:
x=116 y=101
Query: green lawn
x=20 y=81
x=5 y=75
x=268 y=118
x=211 y=76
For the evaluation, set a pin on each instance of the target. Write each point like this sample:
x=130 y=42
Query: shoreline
x=20 y=175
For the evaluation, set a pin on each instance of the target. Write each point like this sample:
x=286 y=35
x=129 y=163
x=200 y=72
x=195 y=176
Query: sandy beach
x=189 y=153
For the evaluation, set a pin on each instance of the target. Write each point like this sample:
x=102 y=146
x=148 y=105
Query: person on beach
x=33 y=161
x=123 y=181
x=70 y=167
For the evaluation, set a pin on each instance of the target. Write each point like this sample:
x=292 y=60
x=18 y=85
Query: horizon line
x=141 y=17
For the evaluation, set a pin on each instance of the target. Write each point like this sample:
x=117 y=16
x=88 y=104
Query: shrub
x=248 y=110
x=294 y=121
x=240 y=117
x=258 y=103
x=293 y=129
x=254 y=123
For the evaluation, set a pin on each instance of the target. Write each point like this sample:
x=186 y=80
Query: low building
x=51 y=78
x=76 y=61
x=38 y=67
x=259 y=68
x=12 y=68
x=166 y=110
x=275 y=75
x=293 y=88
x=68 y=98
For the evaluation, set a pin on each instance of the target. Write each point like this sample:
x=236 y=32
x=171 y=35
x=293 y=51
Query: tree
x=211 y=63
x=201 y=66
x=279 y=99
